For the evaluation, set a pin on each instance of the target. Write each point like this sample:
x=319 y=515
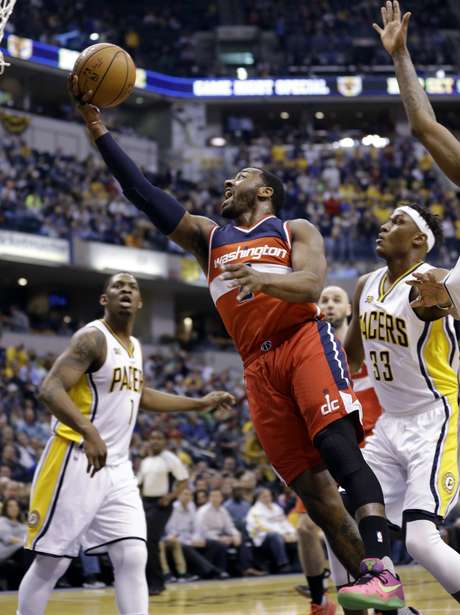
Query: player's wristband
x=162 y=209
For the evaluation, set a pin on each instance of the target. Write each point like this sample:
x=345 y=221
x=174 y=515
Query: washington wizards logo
x=266 y=346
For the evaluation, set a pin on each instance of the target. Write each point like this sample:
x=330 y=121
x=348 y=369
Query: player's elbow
x=313 y=292
x=45 y=392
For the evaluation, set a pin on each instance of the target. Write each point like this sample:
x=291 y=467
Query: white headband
x=420 y=223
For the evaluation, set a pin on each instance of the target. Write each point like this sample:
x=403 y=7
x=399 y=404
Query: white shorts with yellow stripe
x=69 y=509
x=415 y=459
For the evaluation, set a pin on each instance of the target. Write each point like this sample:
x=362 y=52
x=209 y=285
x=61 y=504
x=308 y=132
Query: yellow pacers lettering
x=377 y=325
x=127 y=378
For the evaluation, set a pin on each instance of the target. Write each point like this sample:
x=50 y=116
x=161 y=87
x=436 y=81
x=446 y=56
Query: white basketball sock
x=38 y=583
x=339 y=573
x=129 y=558
x=425 y=545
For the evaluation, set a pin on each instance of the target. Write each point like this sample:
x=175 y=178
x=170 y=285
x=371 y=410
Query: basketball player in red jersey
x=265 y=277
x=335 y=305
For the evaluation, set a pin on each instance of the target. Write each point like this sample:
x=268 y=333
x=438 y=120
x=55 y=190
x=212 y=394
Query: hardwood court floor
x=266 y=596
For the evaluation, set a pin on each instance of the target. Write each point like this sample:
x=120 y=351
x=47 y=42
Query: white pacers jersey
x=110 y=396
x=412 y=363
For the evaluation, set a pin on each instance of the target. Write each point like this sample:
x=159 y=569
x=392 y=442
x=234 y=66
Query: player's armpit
x=354 y=342
x=192 y=233
x=305 y=283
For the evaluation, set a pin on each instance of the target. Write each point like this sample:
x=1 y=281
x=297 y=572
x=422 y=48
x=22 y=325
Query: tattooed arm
x=86 y=352
x=440 y=142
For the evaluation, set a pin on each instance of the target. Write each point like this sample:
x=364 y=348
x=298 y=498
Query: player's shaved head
x=335 y=304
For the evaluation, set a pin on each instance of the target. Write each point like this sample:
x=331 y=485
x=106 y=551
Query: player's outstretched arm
x=303 y=285
x=165 y=212
x=440 y=142
x=157 y=401
x=86 y=349
x=353 y=341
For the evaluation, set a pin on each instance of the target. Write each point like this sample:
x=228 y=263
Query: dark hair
x=272 y=180
x=5 y=506
x=433 y=221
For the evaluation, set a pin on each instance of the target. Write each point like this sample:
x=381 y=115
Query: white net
x=6 y=8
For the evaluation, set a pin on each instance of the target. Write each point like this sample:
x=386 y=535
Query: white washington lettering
x=255 y=253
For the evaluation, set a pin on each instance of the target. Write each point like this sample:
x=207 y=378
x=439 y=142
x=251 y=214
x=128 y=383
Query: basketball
x=109 y=71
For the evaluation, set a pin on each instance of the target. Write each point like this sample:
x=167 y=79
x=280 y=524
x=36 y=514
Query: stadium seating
x=346 y=192
x=160 y=35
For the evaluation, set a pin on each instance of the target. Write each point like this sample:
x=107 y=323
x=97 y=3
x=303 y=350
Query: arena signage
x=110 y=258
x=33 y=248
x=339 y=86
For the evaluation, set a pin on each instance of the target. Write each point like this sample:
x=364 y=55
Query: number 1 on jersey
x=132 y=411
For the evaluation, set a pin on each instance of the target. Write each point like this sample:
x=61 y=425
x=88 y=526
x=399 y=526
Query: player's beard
x=238 y=206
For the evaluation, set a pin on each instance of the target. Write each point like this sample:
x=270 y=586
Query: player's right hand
x=394 y=31
x=90 y=113
x=95 y=450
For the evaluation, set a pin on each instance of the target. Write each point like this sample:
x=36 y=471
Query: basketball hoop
x=6 y=8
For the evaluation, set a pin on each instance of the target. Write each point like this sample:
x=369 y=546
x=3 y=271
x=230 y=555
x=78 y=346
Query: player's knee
x=339 y=449
x=128 y=555
x=306 y=528
x=50 y=569
x=421 y=536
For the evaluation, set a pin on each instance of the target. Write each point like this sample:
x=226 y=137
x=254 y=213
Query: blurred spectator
x=14 y=559
x=271 y=531
x=216 y=528
x=238 y=507
x=157 y=495
x=182 y=527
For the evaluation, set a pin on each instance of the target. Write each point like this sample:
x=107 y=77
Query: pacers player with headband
x=265 y=277
x=84 y=492
x=413 y=361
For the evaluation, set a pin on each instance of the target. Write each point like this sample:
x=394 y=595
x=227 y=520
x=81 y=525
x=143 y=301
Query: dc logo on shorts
x=266 y=346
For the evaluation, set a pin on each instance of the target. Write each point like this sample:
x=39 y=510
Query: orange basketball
x=109 y=71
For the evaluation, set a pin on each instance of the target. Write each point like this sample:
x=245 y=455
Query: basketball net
x=6 y=8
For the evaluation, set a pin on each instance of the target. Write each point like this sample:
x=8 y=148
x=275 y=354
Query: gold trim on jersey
x=435 y=355
x=384 y=293
x=45 y=488
x=129 y=349
x=83 y=397
x=447 y=465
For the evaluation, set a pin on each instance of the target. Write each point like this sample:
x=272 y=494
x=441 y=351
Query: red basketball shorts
x=295 y=391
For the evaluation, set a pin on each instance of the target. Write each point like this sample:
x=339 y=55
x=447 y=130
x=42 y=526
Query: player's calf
x=339 y=449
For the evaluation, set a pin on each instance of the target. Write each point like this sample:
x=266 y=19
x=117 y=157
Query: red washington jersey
x=259 y=322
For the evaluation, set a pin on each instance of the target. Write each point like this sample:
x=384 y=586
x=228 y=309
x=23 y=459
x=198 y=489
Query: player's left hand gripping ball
x=247 y=279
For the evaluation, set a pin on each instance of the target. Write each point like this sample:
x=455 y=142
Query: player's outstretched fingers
x=383 y=12
x=389 y=7
x=396 y=11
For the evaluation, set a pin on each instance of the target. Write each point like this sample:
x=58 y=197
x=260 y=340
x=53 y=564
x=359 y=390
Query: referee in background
x=162 y=476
